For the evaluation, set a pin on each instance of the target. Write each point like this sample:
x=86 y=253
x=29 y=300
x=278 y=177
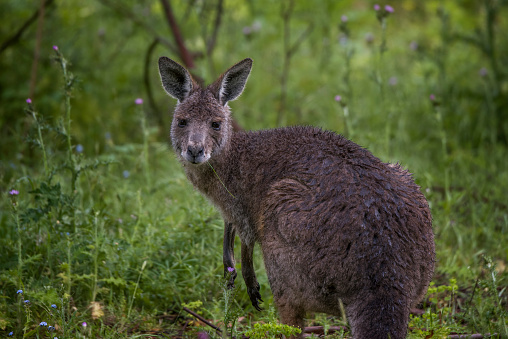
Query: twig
x=471 y=336
x=17 y=36
x=202 y=319
x=155 y=112
x=321 y=329
x=184 y=53
x=210 y=45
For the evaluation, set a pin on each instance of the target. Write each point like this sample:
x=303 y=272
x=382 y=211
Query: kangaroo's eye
x=216 y=125
x=182 y=123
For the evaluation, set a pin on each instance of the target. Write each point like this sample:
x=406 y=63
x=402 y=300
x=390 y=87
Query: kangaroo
x=334 y=223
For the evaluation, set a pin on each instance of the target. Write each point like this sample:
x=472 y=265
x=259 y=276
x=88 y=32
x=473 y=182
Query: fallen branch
x=17 y=36
x=202 y=319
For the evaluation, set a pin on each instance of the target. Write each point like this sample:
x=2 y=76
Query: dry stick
x=17 y=36
x=155 y=112
x=202 y=319
x=35 y=63
x=184 y=53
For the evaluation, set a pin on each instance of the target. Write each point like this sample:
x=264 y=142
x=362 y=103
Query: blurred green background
x=425 y=85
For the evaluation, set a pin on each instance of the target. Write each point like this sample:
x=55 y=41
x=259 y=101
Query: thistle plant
x=231 y=310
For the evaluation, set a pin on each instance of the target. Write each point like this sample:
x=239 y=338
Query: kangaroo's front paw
x=254 y=295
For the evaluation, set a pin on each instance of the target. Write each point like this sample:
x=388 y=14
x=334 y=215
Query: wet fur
x=332 y=220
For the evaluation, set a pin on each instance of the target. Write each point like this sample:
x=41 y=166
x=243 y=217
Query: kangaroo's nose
x=195 y=151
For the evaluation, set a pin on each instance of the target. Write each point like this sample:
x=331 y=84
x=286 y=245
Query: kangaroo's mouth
x=195 y=159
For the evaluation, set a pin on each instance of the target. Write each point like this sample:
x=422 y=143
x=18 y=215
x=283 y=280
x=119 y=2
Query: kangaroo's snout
x=195 y=153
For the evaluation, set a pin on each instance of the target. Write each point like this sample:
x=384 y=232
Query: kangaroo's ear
x=176 y=81
x=231 y=84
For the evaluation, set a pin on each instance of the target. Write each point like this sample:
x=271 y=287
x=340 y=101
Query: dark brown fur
x=333 y=221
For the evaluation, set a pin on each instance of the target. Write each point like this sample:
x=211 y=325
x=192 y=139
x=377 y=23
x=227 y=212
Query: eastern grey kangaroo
x=333 y=221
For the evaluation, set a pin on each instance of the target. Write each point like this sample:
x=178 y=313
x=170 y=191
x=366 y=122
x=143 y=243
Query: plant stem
x=41 y=142
x=135 y=289
x=220 y=180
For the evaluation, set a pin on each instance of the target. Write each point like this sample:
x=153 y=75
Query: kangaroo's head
x=201 y=126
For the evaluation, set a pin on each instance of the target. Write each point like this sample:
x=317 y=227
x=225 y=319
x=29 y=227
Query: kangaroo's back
x=335 y=224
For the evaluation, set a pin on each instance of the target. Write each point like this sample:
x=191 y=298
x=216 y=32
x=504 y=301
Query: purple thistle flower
x=14 y=192
x=19 y=292
x=139 y=101
x=483 y=72
x=29 y=101
x=55 y=47
x=432 y=97
x=343 y=18
x=377 y=7
x=231 y=269
x=389 y=9
x=338 y=98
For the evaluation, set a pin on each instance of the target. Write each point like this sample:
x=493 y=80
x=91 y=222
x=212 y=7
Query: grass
x=114 y=236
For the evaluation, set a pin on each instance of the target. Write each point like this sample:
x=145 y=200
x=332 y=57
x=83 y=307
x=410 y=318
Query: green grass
x=114 y=235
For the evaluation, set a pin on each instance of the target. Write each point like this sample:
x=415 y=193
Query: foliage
x=97 y=217
x=271 y=330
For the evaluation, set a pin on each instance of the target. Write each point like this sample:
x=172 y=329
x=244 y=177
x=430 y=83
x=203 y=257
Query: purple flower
x=55 y=47
x=43 y=323
x=343 y=18
x=432 y=97
x=126 y=174
x=338 y=98
x=53 y=305
x=231 y=269
x=247 y=30
x=139 y=101
x=377 y=7
x=393 y=81
x=84 y=324
x=29 y=101
x=10 y=334
x=14 y=192
x=389 y=9
x=27 y=302
x=79 y=148
x=19 y=292
x=51 y=328
x=483 y=72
